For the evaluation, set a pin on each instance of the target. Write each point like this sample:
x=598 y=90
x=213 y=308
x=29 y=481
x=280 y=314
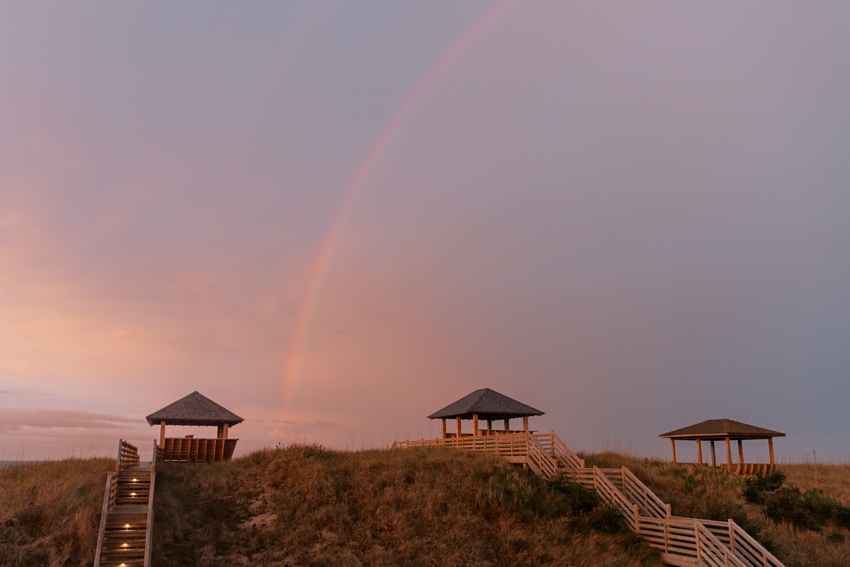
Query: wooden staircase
x=126 y=524
x=683 y=542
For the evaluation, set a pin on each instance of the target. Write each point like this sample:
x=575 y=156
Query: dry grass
x=50 y=512
x=833 y=480
x=701 y=492
x=309 y=506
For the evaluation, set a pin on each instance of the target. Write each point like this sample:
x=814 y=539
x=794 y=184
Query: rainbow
x=355 y=186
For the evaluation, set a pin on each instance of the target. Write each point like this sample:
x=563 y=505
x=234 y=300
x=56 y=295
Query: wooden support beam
x=673 y=449
x=443 y=428
x=525 y=423
x=741 y=451
x=162 y=434
x=770 y=446
x=699 y=451
x=224 y=431
x=713 y=458
x=728 y=453
x=458 y=427
x=475 y=425
x=489 y=425
x=507 y=425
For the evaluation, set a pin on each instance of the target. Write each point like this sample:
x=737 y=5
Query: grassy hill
x=50 y=512
x=310 y=506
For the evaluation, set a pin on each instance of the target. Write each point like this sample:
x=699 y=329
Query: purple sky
x=633 y=217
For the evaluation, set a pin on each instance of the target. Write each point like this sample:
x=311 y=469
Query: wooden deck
x=683 y=542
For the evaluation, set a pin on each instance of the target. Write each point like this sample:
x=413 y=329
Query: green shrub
x=573 y=498
x=755 y=487
x=606 y=519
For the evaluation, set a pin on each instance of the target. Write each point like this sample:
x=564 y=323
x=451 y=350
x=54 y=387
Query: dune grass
x=703 y=492
x=50 y=512
x=310 y=506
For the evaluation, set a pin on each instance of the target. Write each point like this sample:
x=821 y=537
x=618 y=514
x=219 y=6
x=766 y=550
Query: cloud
x=12 y=419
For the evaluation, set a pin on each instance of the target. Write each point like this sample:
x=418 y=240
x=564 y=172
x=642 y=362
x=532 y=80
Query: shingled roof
x=720 y=429
x=194 y=409
x=487 y=404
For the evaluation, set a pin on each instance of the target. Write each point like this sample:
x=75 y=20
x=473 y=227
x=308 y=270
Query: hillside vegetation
x=310 y=506
x=802 y=524
x=50 y=512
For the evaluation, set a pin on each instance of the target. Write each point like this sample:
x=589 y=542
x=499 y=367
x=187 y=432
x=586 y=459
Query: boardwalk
x=126 y=524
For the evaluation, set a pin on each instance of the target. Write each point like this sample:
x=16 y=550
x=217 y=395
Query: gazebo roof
x=487 y=404
x=194 y=409
x=720 y=429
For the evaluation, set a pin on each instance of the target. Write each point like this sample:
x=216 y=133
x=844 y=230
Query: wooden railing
x=750 y=469
x=109 y=493
x=557 y=449
x=637 y=492
x=149 y=532
x=128 y=455
x=747 y=549
x=192 y=450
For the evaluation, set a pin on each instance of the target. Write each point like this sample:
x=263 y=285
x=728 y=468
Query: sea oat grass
x=50 y=512
x=310 y=506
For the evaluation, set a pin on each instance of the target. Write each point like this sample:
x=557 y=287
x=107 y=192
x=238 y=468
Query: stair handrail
x=538 y=455
x=652 y=505
x=748 y=549
x=149 y=529
x=712 y=551
x=108 y=501
x=566 y=454
x=612 y=495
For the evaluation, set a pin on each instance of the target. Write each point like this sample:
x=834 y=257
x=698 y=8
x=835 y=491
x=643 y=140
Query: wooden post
x=770 y=446
x=458 y=428
x=489 y=426
x=162 y=434
x=507 y=425
x=741 y=451
x=699 y=451
x=636 y=516
x=444 y=428
x=732 y=535
x=729 y=454
x=224 y=431
x=673 y=449
x=525 y=423
x=713 y=458
x=475 y=425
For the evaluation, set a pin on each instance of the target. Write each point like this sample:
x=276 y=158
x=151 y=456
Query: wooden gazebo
x=726 y=430
x=195 y=410
x=484 y=404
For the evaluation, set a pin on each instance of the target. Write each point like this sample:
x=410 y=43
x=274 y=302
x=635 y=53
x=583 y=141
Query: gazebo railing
x=195 y=450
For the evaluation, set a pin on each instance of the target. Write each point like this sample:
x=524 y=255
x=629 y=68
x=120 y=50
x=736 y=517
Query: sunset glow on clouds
x=336 y=219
